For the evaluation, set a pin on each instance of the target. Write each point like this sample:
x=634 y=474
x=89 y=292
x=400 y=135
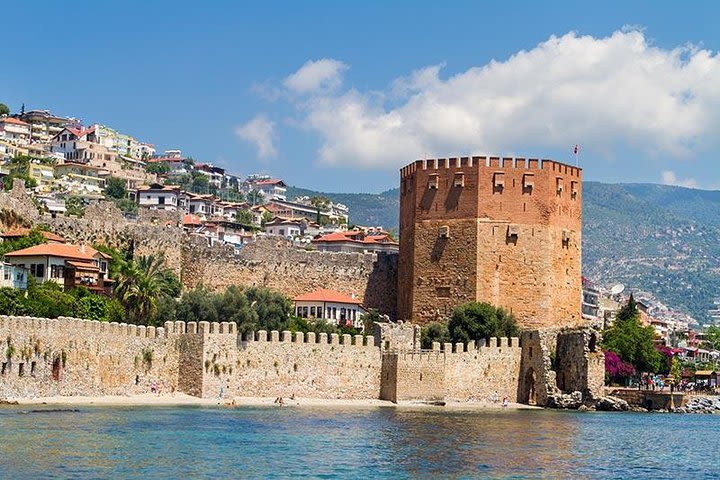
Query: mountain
x=657 y=238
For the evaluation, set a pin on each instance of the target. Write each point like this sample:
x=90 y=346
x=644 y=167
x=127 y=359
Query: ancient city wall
x=67 y=356
x=268 y=262
x=459 y=372
x=274 y=263
x=281 y=364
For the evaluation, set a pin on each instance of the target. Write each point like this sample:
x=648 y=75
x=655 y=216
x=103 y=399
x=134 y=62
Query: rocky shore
x=576 y=401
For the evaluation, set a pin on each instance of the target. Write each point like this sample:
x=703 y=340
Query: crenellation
x=286 y=336
x=459 y=347
x=514 y=342
x=447 y=347
x=436 y=346
x=203 y=328
x=141 y=331
x=334 y=339
x=191 y=327
x=180 y=326
x=503 y=342
x=358 y=340
x=311 y=338
x=274 y=336
x=493 y=342
x=262 y=336
x=299 y=337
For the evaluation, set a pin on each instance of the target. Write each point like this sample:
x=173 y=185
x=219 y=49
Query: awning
x=83 y=266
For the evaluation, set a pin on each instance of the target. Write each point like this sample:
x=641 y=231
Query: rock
x=612 y=404
x=565 y=401
x=583 y=408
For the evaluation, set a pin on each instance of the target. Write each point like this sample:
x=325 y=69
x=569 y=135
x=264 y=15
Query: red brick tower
x=505 y=231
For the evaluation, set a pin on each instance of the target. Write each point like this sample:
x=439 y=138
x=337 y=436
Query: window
x=433 y=181
x=57 y=271
x=559 y=185
x=459 y=180
x=528 y=181
x=312 y=311
x=37 y=270
x=7 y=274
x=498 y=179
x=161 y=200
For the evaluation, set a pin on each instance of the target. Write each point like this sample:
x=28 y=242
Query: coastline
x=180 y=399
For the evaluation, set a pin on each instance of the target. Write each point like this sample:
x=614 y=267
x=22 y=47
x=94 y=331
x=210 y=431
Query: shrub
x=477 y=321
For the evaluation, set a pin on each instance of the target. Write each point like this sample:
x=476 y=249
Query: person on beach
x=505 y=402
x=222 y=391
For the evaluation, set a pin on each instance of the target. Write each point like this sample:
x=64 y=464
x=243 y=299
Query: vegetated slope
x=658 y=238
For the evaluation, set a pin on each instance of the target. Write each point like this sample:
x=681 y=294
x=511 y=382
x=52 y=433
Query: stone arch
x=529 y=392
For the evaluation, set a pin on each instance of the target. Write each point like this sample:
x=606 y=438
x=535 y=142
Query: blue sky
x=338 y=95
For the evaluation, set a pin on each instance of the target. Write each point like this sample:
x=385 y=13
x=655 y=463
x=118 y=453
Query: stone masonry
x=67 y=356
x=505 y=231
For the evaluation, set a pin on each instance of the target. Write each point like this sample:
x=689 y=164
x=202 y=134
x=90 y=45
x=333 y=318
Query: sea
x=92 y=442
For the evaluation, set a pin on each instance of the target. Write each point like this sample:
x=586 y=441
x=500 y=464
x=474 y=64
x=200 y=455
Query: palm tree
x=255 y=197
x=141 y=283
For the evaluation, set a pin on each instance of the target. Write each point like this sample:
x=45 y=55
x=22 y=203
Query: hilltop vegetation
x=658 y=238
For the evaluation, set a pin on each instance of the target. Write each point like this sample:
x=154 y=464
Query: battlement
x=201 y=328
x=80 y=326
x=504 y=163
x=491 y=343
x=286 y=336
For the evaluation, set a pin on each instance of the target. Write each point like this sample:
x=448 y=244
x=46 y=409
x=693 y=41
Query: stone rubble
x=701 y=405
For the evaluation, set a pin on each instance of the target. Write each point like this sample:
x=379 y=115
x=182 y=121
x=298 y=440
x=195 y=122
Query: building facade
x=501 y=230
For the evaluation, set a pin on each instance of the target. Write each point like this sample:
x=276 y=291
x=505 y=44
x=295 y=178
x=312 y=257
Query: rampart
x=269 y=262
x=454 y=372
x=502 y=230
x=68 y=356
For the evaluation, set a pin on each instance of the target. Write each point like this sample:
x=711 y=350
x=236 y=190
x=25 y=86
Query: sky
x=337 y=96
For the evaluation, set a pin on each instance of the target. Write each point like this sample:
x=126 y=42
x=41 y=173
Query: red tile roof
x=22 y=232
x=14 y=121
x=190 y=219
x=355 y=236
x=325 y=295
x=63 y=250
x=272 y=181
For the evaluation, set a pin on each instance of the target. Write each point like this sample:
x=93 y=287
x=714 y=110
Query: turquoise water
x=193 y=442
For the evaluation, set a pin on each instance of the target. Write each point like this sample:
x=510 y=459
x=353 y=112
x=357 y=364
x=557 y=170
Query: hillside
x=658 y=238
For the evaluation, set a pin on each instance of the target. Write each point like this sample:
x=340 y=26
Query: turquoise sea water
x=193 y=442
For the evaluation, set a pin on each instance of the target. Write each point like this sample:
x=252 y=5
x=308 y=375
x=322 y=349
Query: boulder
x=565 y=401
x=612 y=404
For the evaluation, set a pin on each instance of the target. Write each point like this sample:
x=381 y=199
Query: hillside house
x=65 y=264
x=159 y=197
x=356 y=241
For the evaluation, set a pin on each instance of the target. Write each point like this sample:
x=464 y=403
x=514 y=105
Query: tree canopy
x=115 y=188
x=4 y=109
x=712 y=337
x=478 y=320
x=631 y=341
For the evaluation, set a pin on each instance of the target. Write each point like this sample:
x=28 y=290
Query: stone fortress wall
x=68 y=356
x=506 y=231
x=269 y=262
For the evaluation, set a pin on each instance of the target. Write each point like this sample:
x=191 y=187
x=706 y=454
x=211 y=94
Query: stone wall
x=307 y=365
x=560 y=360
x=66 y=356
x=454 y=373
x=268 y=262
x=276 y=264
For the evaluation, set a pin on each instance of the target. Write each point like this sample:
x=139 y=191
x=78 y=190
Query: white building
x=14 y=131
x=270 y=188
x=159 y=197
x=285 y=227
x=13 y=276
x=331 y=306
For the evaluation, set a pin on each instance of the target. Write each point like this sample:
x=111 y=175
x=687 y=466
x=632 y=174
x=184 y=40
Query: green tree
x=245 y=217
x=197 y=305
x=74 y=206
x=711 y=337
x=266 y=217
x=11 y=301
x=200 y=183
x=255 y=197
x=48 y=300
x=141 y=283
x=4 y=110
x=632 y=342
x=35 y=237
x=158 y=168
x=434 y=332
x=273 y=309
x=478 y=321
x=319 y=202
x=126 y=205
x=234 y=305
x=115 y=188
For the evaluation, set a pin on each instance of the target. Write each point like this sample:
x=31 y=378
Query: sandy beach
x=180 y=399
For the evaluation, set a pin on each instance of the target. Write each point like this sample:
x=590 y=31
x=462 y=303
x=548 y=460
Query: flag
x=575 y=150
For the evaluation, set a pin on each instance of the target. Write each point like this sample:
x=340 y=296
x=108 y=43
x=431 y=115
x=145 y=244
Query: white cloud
x=323 y=74
x=608 y=94
x=669 y=178
x=261 y=132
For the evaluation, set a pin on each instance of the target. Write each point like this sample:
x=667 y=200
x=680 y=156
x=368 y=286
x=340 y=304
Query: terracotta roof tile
x=13 y=121
x=325 y=295
x=63 y=250
x=21 y=232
